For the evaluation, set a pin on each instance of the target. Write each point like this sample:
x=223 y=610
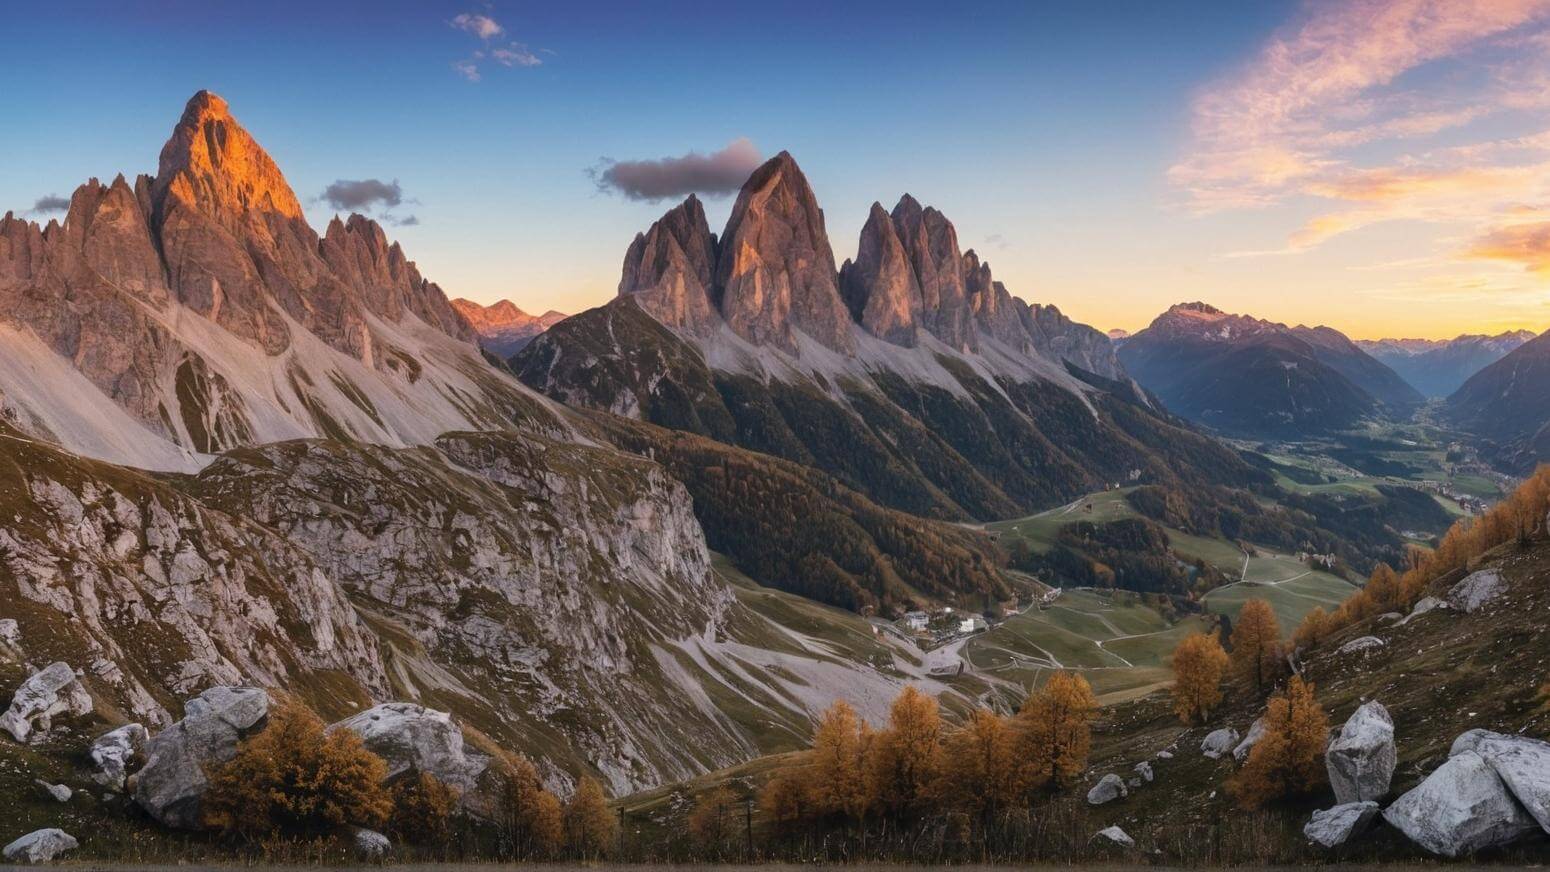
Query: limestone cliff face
x=202 y=305
x=932 y=243
x=776 y=272
x=670 y=269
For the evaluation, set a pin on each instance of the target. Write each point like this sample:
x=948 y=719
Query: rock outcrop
x=39 y=846
x=1115 y=836
x=1361 y=759
x=1522 y=763
x=880 y=286
x=47 y=694
x=172 y=783
x=1461 y=808
x=1335 y=827
x=1361 y=645
x=114 y=752
x=370 y=845
x=1240 y=752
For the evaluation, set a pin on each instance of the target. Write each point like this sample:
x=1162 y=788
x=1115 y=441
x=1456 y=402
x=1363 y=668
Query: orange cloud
x=1526 y=244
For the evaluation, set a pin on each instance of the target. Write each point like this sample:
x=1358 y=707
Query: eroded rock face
x=1334 y=827
x=880 y=287
x=171 y=784
x=1461 y=808
x=670 y=269
x=1361 y=759
x=776 y=272
x=47 y=694
x=114 y=752
x=931 y=242
x=1109 y=788
x=40 y=846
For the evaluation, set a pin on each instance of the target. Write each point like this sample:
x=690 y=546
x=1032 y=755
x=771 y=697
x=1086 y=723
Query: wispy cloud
x=716 y=174
x=491 y=47
x=1369 y=112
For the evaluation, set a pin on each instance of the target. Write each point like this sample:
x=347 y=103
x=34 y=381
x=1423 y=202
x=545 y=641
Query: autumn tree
x=422 y=810
x=294 y=778
x=1288 y=759
x=1256 y=645
x=1198 y=664
x=711 y=821
x=1314 y=627
x=589 y=827
x=1055 y=730
x=835 y=768
x=529 y=817
x=907 y=754
x=784 y=798
x=982 y=771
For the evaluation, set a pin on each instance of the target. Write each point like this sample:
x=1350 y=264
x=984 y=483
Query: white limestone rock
x=1422 y=606
x=1109 y=788
x=1219 y=742
x=1116 y=836
x=1362 y=757
x=114 y=752
x=370 y=844
x=1476 y=590
x=39 y=846
x=171 y=784
x=1522 y=763
x=55 y=690
x=1144 y=769
x=1256 y=732
x=413 y=738
x=60 y=792
x=1334 y=827
x=1461 y=808
x=1357 y=646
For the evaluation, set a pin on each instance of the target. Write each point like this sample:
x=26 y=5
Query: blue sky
x=1051 y=133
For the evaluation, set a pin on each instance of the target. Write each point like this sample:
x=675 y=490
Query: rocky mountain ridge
x=1249 y=376
x=166 y=320
x=1438 y=367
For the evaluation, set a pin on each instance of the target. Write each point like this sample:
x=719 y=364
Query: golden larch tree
x=529 y=817
x=982 y=771
x=422 y=810
x=590 y=829
x=906 y=756
x=835 y=768
x=1256 y=645
x=711 y=820
x=1055 y=730
x=1198 y=665
x=1314 y=627
x=1288 y=760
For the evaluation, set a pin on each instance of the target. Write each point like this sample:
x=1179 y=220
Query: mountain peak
x=214 y=165
x=1198 y=308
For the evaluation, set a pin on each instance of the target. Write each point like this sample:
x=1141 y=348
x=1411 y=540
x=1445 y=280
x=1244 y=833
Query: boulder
x=171 y=783
x=10 y=633
x=1422 y=606
x=1357 y=646
x=1476 y=590
x=1461 y=808
x=1165 y=755
x=1109 y=788
x=39 y=846
x=1144 y=769
x=59 y=792
x=370 y=844
x=113 y=753
x=52 y=691
x=1522 y=763
x=1361 y=758
x=1116 y=836
x=1336 y=826
x=1219 y=742
x=1256 y=732
x=413 y=738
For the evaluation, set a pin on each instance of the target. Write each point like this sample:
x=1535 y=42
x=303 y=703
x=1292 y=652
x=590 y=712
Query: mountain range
x=1508 y=404
x=1246 y=376
x=502 y=328
x=1438 y=367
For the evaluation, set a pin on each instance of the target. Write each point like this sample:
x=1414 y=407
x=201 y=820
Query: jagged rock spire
x=880 y=288
x=671 y=267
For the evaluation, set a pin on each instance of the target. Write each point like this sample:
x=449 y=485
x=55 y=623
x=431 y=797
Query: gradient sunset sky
x=1381 y=167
